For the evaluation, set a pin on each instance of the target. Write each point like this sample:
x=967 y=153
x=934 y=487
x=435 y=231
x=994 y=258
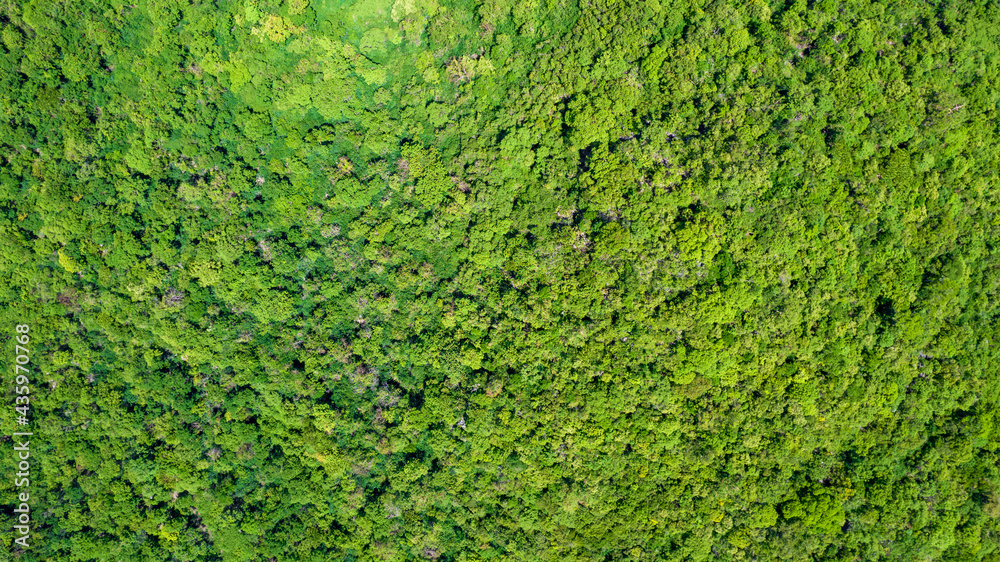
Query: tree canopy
x=515 y=280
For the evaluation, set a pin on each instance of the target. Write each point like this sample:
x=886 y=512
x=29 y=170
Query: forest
x=472 y=280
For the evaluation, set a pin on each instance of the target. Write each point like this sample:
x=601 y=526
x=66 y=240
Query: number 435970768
x=21 y=370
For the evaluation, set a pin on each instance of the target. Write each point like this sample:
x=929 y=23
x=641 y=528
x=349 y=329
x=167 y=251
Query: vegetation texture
x=504 y=280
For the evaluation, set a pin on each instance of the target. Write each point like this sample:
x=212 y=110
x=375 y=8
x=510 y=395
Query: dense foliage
x=511 y=280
